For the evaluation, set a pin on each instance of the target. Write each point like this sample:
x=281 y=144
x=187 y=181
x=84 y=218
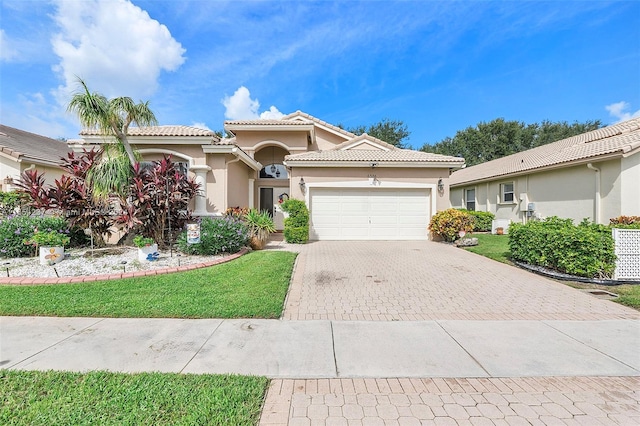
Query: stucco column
x=201 y=198
x=252 y=183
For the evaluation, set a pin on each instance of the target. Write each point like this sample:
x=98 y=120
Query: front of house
x=595 y=175
x=356 y=187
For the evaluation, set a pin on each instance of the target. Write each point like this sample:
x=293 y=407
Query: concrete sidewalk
x=324 y=349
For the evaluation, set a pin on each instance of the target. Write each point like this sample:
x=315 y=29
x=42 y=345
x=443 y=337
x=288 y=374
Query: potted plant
x=260 y=225
x=51 y=246
x=147 y=248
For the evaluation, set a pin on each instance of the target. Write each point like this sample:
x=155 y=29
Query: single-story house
x=20 y=150
x=356 y=187
x=595 y=175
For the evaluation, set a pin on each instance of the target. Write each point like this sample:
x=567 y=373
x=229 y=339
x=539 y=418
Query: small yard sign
x=193 y=233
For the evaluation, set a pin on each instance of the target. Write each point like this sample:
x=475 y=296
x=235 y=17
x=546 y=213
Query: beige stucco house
x=594 y=175
x=356 y=187
x=20 y=150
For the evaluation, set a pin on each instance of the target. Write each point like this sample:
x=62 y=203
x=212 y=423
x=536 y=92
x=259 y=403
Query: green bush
x=225 y=235
x=296 y=226
x=481 y=220
x=585 y=250
x=15 y=230
x=10 y=202
x=447 y=224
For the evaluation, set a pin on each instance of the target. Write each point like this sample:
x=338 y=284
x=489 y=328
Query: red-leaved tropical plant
x=70 y=195
x=158 y=201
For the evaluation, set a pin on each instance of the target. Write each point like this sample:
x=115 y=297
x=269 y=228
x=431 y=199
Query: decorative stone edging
x=117 y=276
x=566 y=277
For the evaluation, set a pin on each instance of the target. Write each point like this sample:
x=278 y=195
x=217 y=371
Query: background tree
x=111 y=117
x=390 y=131
x=499 y=138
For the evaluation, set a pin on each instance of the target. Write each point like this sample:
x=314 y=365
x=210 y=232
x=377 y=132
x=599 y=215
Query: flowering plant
x=48 y=239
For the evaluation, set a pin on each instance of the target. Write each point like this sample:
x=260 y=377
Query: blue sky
x=438 y=66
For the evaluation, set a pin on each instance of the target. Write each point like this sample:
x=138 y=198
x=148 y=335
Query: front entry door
x=269 y=202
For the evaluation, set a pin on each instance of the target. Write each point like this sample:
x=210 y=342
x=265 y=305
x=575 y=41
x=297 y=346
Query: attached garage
x=367 y=189
x=369 y=213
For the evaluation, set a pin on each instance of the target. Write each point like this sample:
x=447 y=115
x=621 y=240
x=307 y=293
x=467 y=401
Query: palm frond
x=112 y=174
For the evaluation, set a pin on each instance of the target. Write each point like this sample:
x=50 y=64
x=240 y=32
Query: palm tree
x=111 y=117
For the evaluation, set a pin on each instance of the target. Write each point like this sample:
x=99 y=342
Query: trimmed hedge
x=448 y=223
x=585 y=250
x=481 y=220
x=296 y=226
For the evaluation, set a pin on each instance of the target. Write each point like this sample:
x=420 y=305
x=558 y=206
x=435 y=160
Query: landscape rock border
x=116 y=276
x=541 y=270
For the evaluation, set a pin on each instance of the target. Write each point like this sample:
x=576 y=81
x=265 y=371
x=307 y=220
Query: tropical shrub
x=71 y=195
x=140 y=241
x=296 y=226
x=447 y=224
x=224 y=235
x=627 y=222
x=11 y=202
x=158 y=200
x=236 y=212
x=481 y=220
x=15 y=230
x=260 y=224
x=585 y=250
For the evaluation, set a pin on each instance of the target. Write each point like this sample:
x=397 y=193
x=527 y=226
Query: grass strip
x=64 y=398
x=494 y=247
x=252 y=286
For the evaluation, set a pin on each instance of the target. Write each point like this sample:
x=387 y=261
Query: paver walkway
x=423 y=280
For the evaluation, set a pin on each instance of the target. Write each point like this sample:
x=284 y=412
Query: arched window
x=274 y=171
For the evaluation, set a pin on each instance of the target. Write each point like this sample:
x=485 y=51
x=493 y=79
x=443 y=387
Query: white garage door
x=369 y=214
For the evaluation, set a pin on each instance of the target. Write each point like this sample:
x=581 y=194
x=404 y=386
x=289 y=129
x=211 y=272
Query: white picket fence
x=627 y=249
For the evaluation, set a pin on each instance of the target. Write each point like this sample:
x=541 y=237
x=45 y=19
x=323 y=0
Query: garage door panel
x=369 y=213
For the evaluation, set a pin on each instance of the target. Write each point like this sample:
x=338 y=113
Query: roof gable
x=365 y=142
x=615 y=140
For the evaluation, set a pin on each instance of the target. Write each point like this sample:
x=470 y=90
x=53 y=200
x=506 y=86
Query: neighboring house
x=356 y=187
x=594 y=175
x=20 y=150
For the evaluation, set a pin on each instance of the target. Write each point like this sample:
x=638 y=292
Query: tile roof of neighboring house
x=30 y=147
x=389 y=153
x=617 y=139
x=158 y=131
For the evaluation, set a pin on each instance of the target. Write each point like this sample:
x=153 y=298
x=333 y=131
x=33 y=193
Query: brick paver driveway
x=424 y=280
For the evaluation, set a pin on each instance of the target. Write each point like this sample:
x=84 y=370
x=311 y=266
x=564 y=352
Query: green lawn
x=495 y=247
x=252 y=286
x=62 y=398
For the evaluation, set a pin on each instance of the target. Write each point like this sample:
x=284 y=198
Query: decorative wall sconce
x=8 y=180
x=440 y=185
x=303 y=185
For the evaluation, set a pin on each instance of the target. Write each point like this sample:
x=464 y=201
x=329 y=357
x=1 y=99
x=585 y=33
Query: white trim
x=232 y=149
x=380 y=184
x=368 y=164
x=273 y=142
x=364 y=141
x=167 y=151
x=307 y=127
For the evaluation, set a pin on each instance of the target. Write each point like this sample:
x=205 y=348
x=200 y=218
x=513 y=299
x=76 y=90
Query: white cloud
x=200 y=126
x=114 y=46
x=271 y=114
x=619 y=111
x=7 y=52
x=240 y=106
